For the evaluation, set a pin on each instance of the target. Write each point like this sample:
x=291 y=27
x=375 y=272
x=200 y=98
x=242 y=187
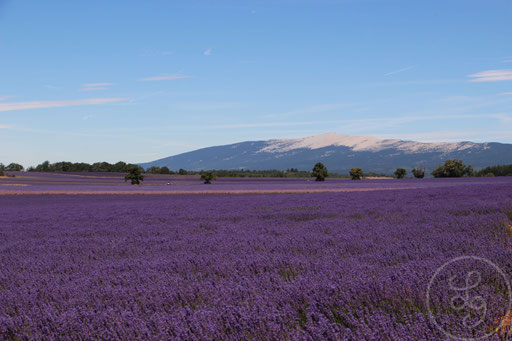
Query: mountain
x=339 y=153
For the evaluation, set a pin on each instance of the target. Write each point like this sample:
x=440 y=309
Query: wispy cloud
x=3 y=98
x=506 y=94
x=162 y=78
x=48 y=86
x=3 y=126
x=491 y=76
x=504 y=118
x=11 y=106
x=207 y=52
x=87 y=85
x=206 y=107
x=451 y=135
x=315 y=109
x=398 y=71
x=95 y=86
x=356 y=125
x=415 y=82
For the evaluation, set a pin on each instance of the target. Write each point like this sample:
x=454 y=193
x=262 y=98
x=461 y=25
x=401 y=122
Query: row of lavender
x=30 y=182
x=318 y=266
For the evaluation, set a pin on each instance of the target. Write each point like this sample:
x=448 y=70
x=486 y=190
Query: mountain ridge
x=339 y=153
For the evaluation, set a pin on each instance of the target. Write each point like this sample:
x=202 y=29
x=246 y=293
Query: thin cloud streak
x=353 y=124
x=11 y=106
x=398 y=71
x=95 y=86
x=161 y=78
x=208 y=52
x=309 y=110
x=93 y=89
x=449 y=135
x=492 y=76
x=362 y=123
x=92 y=85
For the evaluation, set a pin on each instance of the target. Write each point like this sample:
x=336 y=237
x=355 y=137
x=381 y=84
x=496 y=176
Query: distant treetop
x=320 y=172
x=453 y=169
x=356 y=173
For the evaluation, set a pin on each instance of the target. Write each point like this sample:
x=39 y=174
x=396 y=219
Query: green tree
x=207 y=177
x=500 y=170
x=452 y=169
x=469 y=171
x=119 y=167
x=44 y=167
x=182 y=172
x=320 y=172
x=14 y=167
x=356 y=173
x=400 y=173
x=104 y=167
x=2 y=168
x=165 y=170
x=134 y=175
x=418 y=173
x=154 y=170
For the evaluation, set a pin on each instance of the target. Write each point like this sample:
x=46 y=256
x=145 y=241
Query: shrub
x=356 y=173
x=207 y=177
x=453 y=169
x=134 y=175
x=153 y=170
x=320 y=172
x=14 y=167
x=400 y=173
x=165 y=170
x=499 y=170
x=418 y=173
x=469 y=171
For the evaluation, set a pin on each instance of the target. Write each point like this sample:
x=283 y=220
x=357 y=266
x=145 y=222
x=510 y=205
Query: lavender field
x=244 y=259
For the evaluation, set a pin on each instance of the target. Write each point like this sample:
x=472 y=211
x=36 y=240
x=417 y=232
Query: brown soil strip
x=239 y=191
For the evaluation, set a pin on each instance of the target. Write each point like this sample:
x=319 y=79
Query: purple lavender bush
x=324 y=266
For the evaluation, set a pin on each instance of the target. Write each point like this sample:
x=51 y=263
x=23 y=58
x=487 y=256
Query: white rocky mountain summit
x=361 y=143
x=339 y=153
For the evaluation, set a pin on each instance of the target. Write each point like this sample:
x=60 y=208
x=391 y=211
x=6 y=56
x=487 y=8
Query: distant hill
x=339 y=153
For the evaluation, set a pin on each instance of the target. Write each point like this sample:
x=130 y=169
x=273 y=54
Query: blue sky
x=140 y=80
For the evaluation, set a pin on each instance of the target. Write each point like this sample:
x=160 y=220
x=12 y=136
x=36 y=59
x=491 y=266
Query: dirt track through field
x=241 y=191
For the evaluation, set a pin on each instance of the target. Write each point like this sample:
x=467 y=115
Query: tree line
x=503 y=170
x=451 y=168
x=123 y=167
x=119 y=167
